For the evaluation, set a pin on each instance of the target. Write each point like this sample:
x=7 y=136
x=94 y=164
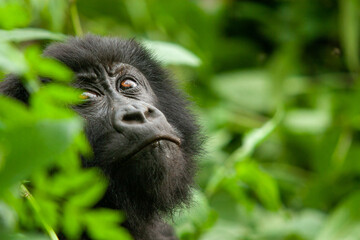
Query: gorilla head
x=142 y=134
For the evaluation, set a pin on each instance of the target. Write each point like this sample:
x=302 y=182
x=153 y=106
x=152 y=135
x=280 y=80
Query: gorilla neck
x=151 y=184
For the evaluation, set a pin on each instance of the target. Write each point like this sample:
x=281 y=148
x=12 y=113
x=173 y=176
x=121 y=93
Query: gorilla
x=143 y=136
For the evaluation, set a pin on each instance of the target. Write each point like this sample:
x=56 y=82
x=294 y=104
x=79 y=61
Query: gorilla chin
x=151 y=179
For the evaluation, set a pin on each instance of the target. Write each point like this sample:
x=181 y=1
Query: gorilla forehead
x=88 y=53
x=82 y=54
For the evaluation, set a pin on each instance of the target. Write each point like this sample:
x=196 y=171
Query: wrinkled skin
x=143 y=137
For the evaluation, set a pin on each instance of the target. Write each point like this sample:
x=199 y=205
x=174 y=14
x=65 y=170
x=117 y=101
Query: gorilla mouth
x=154 y=141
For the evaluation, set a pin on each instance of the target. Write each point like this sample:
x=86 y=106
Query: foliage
x=277 y=89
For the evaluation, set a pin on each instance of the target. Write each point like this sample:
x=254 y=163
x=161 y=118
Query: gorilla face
x=142 y=134
x=122 y=101
x=133 y=142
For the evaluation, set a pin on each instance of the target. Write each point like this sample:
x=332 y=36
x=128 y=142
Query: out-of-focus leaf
x=21 y=236
x=281 y=65
x=62 y=184
x=252 y=89
x=197 y=216
x=216 y=180
x=103 y=224
x=305 y=224
x=8 y=217
x=36 y=148
x=169 y=53
x=350 y=27
x=256 y=136
x=251 y=141
x=232 y=186
x=225 y=230
x=11 y=59
x=57 y=13
x=49 y=210
x=53 y=100
x=84 y=190
x=71 y=224
x=264 y=185
x=295 y=85
x=248 y=89
x=307 y=121
x=83 y=145
x=344 y=222
x=27 y=34
x=58 y=94
x=46 y=67
x=13 y=14
x=18 y=114
x=88 y=196
x=138 y=12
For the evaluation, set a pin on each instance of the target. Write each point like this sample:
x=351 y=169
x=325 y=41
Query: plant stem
x=35 y=206
x=75 y=18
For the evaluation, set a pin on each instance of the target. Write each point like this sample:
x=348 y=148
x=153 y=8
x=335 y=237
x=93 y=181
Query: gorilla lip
x=153 y=140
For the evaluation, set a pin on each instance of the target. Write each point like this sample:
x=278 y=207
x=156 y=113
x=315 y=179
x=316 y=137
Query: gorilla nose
x=135 y=114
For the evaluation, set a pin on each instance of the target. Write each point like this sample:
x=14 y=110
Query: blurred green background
x=275 y=84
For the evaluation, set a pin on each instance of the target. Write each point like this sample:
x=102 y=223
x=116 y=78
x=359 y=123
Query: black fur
x=144 y=187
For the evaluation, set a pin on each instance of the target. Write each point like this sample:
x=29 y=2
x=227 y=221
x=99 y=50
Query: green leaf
x=57 y=14
x=13 y=15
x=307 y=121
x=104 y=224
x=8 y=217
x=344 y=222
x=350 y=17
x=27 y=34
x=170 y=53
x=255 y=137
x=263 y=184
x=11 y=59
x=49 y=210
x=246 y=89
x=19 y=113
x=254 y=90
x=304 y=224
x=52 y=101
x=197 y=216
x=46 y=67
x=78 y=184
x=216 y=180
x=72 y=225
x=224 y=229
x=21 y=236
x=91 y=193
x=34 y=145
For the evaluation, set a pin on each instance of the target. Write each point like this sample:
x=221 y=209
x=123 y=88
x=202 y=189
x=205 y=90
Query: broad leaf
x=170 y=53
x=27 y=34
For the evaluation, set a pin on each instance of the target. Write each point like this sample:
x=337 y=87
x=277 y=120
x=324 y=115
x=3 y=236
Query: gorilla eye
x=88 y=95
x=127 y=84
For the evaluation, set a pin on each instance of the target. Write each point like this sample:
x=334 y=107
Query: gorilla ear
x=13 y=87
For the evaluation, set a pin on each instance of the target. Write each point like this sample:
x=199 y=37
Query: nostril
x=149 y=113
x=133 y=118
x=135 y=115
